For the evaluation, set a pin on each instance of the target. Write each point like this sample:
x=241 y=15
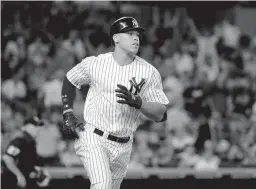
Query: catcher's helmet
x=125 y=24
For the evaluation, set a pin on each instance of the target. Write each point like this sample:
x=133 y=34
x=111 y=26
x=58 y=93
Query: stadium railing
x=161 y=173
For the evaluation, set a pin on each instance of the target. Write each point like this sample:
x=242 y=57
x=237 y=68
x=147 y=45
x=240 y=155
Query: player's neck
x=122 y=58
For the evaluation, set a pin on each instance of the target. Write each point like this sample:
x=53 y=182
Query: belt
x=111 y=137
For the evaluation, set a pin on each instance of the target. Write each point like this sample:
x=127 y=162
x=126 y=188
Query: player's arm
x=75 y=78
x=68 y=94
x=154 y=110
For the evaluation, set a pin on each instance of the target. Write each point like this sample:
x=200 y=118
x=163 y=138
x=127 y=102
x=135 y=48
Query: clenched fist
x=71 y=124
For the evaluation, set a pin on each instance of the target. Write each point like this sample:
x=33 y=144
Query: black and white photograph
x=128 y=94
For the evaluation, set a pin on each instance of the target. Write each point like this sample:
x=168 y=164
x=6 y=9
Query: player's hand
x=72 y=125
x=128 y=97
x=21 y=181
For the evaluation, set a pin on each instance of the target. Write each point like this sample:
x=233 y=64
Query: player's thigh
x=119 y=165
x=116 y=183
x=93 y=157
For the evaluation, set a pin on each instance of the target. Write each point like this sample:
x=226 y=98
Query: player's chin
x=134 y=51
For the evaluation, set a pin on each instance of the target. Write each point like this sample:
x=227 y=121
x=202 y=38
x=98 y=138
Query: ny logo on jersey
x=136 y=86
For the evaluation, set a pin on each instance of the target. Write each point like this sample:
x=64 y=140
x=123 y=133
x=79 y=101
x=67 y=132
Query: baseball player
x=20 y=166
x=122 y=86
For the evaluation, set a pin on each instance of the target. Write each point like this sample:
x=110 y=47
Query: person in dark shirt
x=198 y=107
x=20 y=166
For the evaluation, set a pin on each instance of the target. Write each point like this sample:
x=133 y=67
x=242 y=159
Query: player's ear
x=115 y=38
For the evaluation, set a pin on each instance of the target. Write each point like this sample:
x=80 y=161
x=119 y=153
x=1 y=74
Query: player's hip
x=102 y=133
x=93 y=138
x=116 y=128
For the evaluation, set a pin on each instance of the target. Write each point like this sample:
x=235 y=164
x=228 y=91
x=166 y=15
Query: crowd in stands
x=208 y=72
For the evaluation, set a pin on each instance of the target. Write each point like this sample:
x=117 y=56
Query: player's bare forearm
x=153 y=110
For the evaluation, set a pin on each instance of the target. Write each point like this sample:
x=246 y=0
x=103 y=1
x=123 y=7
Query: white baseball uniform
x=106 y=161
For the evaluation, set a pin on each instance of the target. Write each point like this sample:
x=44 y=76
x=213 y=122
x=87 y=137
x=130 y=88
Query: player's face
x=130 y=41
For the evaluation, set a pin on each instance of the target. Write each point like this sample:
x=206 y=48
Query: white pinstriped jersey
x=103 y=74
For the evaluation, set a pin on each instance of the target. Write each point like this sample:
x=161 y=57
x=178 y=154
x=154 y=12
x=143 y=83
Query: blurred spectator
x=49 y=140
x=181 y=138
x=238 y=125
x=230 y=33
x=159 y=62
x=36 y=77
x=208 y=160
x=188 y=158
x=38 y=51
x=51 y=90
x=15 y=88
x=9 y=128
x=129 y=9
x=68 y=156
x=154 y=144
x=18 y=118
x=206 y=38
x=235 y=155
x=98 y=40
x=15 y=51
x=249 y=160
x=164 y=155
x=143 y=151
x=74 y=45
x=249 y=141
x=242 y=95
x=244 y=47
x=200 y=111
x=222 y=149
x=174 y=89
x=6 y=112
x=147 y=52
x=178 y=119
x=57 y=18
x=184 y=66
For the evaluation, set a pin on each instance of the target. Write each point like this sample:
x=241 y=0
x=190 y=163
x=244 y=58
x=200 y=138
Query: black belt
x=111 y=137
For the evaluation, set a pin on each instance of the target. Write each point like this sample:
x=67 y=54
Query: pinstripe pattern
x=116 y=183
x=106 y=161
x=103 y=74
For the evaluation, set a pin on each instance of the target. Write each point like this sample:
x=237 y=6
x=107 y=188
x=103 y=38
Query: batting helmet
x=125 y=24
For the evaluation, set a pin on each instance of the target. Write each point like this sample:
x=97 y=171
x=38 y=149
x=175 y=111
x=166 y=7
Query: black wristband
x=65 y=103
x=68 y=94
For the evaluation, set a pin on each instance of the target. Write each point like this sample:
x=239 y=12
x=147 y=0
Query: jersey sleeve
x=14 y=148
x=80 y=74
x=154 y=91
